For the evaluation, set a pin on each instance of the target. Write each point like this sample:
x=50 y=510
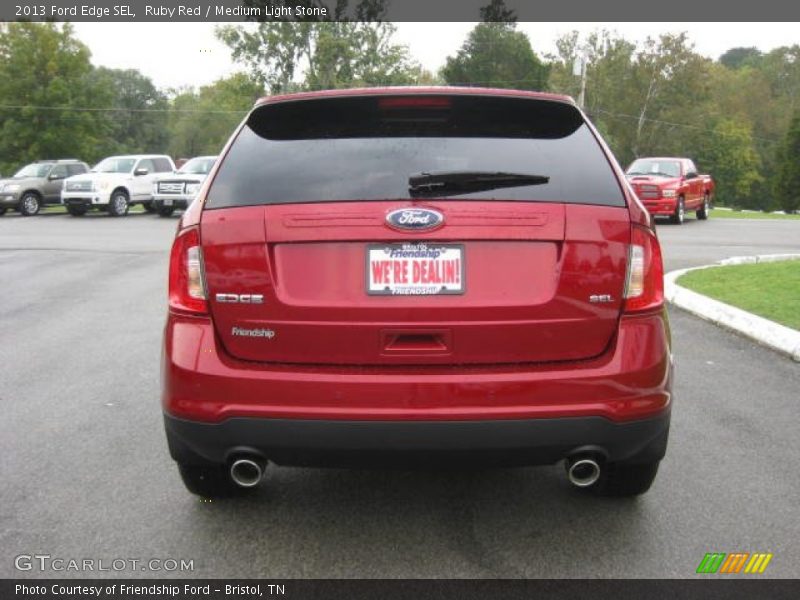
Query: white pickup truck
x=115 y=183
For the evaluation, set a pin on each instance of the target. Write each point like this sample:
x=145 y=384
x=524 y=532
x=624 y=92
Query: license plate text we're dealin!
x=412 y=269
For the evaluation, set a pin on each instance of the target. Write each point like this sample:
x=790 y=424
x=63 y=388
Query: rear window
x=367 y=148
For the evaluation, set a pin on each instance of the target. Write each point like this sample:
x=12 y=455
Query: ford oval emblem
x=414 y=219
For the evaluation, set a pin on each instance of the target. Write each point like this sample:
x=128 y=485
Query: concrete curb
x=768 y=333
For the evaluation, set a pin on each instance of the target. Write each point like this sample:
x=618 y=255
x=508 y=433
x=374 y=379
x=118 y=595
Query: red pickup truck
x=670 y=186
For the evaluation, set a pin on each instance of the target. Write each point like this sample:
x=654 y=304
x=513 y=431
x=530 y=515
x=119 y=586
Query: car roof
x=138 y=156
x=416 y=91
x=58 y=160
x=661 y=158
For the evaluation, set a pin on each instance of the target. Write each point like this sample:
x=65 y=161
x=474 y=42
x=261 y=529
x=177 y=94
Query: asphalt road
x=85 y=471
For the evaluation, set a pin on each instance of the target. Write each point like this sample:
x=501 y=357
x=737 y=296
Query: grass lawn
x=57 y=208
x=737 y=214
x=770 y=290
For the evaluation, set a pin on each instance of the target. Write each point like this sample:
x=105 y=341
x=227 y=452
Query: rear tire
x=76 y=210
x=3 y=210
x=702 y=213
x=209 y=481
x=680 y=212
x=622 y=480
x=29 y=204
x=119 y=204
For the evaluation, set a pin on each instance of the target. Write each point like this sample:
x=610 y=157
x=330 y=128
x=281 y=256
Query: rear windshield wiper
x=446 y=183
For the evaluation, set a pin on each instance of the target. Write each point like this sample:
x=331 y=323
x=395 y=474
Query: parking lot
x=86 y=473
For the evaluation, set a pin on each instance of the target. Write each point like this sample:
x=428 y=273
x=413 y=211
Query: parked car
x=670 y=186
x=416 y=276
x=37 y=184
x=116 y=183
x=177 y=190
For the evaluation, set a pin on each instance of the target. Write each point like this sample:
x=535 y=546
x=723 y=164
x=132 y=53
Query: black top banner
x=396 y=10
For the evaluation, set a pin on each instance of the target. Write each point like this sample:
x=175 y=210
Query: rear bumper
x=617 y=404
x=630 y=381
x=416 y=443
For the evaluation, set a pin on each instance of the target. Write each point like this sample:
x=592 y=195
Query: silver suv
x=37 y=184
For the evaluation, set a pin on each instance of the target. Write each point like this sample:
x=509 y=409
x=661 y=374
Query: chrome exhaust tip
x=246 y=473
x=583 y=472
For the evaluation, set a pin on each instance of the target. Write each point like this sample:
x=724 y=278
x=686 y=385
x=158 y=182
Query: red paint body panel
x=416 y=91
x=529 y=271
x=629 y=381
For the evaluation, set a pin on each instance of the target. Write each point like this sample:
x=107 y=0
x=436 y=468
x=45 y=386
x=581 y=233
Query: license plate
x=168 y=202
x=415 y=269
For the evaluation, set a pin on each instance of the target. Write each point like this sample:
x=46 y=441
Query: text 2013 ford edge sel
x=416 y=276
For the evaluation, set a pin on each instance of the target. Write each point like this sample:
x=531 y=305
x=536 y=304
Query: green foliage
x=140 y=123
x=788 y=179
x=736 y=58
x=496 y=55
x=45 y=74
x=55 y=104
x=496 y=11
x=648 y=100
x=662 y=98
x=201 y=122
x=333 y=54
x=731 y=157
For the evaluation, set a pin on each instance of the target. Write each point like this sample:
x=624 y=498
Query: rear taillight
x=187 y=289
x=644 y=287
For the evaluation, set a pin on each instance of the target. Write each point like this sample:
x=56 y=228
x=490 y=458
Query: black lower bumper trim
x=179 y=204
x=78 y=202
x=416 y=443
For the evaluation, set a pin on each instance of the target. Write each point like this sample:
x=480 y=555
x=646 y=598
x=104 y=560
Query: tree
x=201 y=122
x=736 y=58
x=671 y=86
x=732 y=159
x=329 y=54
x=496 y=54
x=648 y=99
x=788 y=180
x=140 y=124
x=46 y=87
x=496 y=11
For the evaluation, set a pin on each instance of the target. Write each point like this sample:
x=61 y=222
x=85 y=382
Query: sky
x=188 y=54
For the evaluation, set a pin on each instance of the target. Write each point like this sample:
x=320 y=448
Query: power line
x=119 y=109
x=673 y=124
x=603 y=111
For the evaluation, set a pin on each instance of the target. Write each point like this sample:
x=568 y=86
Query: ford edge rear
x=416 y=277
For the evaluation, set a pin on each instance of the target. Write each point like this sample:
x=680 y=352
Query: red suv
x=416 y=276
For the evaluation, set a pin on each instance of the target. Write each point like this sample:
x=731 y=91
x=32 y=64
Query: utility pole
x=582 y=95
x=579 y=70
